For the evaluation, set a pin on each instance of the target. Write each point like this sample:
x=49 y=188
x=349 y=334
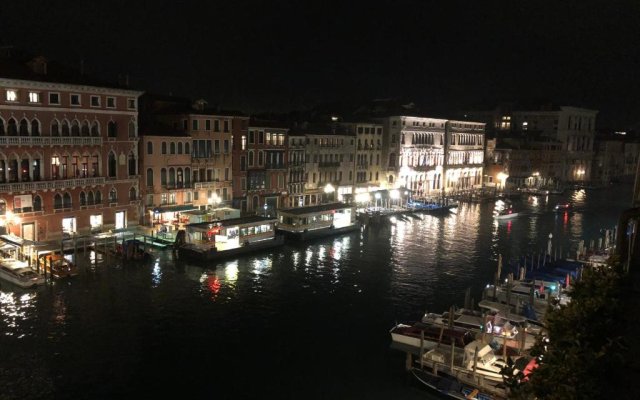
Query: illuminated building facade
x=266 y=167
x=68 y=152
x=432 y=156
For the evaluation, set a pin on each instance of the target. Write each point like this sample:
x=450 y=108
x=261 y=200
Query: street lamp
x=265 y=209
x=328 y=190
x=214 y=200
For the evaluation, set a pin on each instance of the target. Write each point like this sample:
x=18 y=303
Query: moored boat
x=19 y=273
x=452 y=388
x=311 y=222
x=562 y=207
x=428 y=335
x=212 y=241
x=58 y=266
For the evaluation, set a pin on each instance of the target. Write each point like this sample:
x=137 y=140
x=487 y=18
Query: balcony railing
x=50 y=141
x=329 y=164
x=50 y=185
x=210 y=185
x=275 y=166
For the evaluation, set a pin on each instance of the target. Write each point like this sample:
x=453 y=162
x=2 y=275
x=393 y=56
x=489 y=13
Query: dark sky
x=279 y=55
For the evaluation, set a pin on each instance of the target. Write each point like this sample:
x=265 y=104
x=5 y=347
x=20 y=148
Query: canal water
x=308 y=321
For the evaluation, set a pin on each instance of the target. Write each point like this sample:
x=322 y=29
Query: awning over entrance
x=174 y=208
x=18 y=241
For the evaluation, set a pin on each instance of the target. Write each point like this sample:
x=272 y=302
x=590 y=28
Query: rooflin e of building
x=18 y=65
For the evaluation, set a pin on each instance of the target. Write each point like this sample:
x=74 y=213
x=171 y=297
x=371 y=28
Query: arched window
x=12 y=127
x=90 y=198
x=132 y=164
x=55 y=128
x=57 y=201
x=187 y=177
x=37 y=203
x=98 y=197
x=172 y=177
x=149 y=148
x=179 y=178
x=149 y=177
x=172 y=148
x=179 y=147
x=186 y=148
x=112 y=129
x=66 y=200
x=132 y=129
x=85 y=131
x=35 y=128
x=251 y=158
x=163 y=177
x=164 y=147
x=392 y=160
x=112 y=165
x=83 y=199
x=65 y=128
x=260 y=158
x=113 y=195
x=256 y=203
x=95 y=128
x=132 y=194
x=2 y=132
x=24 y=127
x=75 y=128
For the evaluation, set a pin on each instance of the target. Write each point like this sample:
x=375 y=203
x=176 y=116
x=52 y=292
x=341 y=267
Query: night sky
x=281 y=55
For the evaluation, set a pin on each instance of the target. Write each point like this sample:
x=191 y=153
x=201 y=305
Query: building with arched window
x=68 y=152
x=167 y=188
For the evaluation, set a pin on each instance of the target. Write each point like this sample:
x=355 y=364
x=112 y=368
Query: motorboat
x=58 y=266
x=562 y=207
x=506 y=213
x=476 y=356
x=428 y=335
x=503 y=329
x=20 y=274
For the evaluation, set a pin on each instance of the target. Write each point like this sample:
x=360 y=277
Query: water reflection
x=156 y=274
x=17 y=308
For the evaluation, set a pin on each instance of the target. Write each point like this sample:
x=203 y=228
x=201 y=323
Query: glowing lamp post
x=265 y=209
x=213 y=201
x=328 y=190
x=394 y=194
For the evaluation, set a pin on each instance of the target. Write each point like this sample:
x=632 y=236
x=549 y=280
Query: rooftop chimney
x=38 y=65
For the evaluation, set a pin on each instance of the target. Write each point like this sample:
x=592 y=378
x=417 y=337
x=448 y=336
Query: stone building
x=68 y=151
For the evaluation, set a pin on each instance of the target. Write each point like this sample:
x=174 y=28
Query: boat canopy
x=317 y=209
x=225 y=223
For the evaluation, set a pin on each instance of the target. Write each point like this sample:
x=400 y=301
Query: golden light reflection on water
x=156 y=274
x=231 y=273
x=16 y=308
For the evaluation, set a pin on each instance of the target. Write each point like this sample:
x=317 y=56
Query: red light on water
x=214 y=284
x=509 y=227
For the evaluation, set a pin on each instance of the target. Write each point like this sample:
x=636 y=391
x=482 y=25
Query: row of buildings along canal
x=78 y=156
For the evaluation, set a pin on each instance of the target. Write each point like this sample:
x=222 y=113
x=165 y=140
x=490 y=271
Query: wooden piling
x=421 y=349
x=408 y=362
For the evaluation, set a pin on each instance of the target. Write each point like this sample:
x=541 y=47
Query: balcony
x=275 y=166
x=50 y=185
x=50 y=141
x=329 y=164
x=211 y=185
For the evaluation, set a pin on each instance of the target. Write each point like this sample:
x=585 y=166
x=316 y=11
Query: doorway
x=121 y=220
x=29 y=231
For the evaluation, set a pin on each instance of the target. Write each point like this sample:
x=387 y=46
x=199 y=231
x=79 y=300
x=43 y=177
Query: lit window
x=34 y=97
x=525 y=125
x=75 y=99
x=12 y=95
